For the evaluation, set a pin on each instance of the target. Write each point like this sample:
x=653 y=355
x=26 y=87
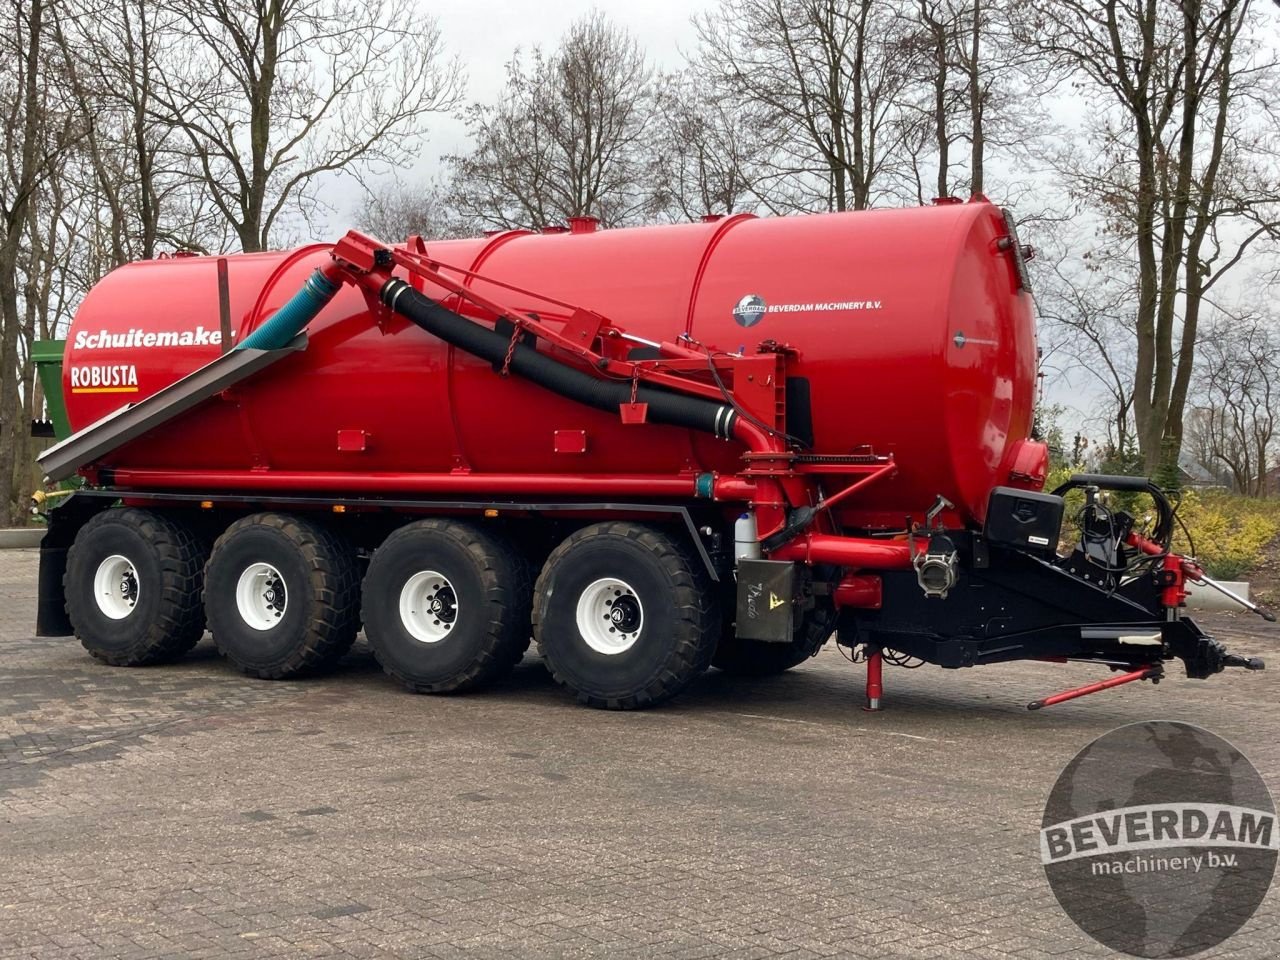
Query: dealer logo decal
x=1159 y=839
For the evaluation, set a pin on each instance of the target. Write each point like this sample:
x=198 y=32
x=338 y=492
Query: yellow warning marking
x=774 y=601
x=104 y=389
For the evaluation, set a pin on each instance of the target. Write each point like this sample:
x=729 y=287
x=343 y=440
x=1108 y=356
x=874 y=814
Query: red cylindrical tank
x=910 y=326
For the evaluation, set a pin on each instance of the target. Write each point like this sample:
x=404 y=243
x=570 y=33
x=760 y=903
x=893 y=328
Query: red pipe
x=735 y=488
x=756 y=439
x=478 y=483
x=860 y=591
x=859 y=553
x=769 y=497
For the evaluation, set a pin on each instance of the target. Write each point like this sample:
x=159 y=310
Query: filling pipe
x=765 y=492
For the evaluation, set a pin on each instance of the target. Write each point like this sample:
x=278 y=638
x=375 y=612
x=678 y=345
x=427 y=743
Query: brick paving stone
x=187 y=811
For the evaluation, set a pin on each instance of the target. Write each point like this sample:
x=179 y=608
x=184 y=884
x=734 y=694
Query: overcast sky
x=485 y=33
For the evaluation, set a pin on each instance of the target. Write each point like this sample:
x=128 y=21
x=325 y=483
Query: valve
x=937 y=569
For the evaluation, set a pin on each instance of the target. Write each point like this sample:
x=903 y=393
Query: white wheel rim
x=115 y=586
x=261 y=596
x=610 y=616
x=428 y=606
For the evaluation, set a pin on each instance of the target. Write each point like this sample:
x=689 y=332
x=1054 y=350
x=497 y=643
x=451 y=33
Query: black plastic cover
x=1025 y=519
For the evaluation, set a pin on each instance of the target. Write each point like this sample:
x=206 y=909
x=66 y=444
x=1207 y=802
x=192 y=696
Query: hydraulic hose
x=665 y=406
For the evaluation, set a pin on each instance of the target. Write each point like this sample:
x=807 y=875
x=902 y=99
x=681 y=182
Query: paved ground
x=186 y=811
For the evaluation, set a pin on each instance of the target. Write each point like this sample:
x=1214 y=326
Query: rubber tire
x=681 y=618
x=322 y=586
x=168 y=619
x=757 y=658
x=493 y=588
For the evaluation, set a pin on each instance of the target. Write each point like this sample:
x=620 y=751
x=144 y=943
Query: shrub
x=1230 y=532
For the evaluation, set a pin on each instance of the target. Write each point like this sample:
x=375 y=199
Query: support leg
x=875 y=681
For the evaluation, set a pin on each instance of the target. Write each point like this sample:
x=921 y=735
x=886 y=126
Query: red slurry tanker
x=652 y=450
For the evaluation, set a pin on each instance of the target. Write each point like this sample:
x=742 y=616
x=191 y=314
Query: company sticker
x=752 y=308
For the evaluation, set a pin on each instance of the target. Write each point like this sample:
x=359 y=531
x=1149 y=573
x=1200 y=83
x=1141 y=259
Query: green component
x=47 y=355
x=704 y=485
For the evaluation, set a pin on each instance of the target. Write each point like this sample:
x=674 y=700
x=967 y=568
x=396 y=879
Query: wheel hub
x=115 y=586
x=610 y=616
x=428 y=606
x=261 y=596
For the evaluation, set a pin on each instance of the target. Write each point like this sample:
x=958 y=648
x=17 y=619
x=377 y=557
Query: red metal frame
x=360 y=254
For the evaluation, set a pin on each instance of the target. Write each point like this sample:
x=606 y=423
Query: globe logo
x=750 y=310
x=1159 y=839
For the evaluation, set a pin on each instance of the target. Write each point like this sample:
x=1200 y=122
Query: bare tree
x=1236 y=408
x=831 y=78
x=941 y=36
x=274 y=95
x=37 y=131
x=1177 y=161
x=712 y=153
x=151 y=191
x=394 y=210
x=569 y=137
x=1084 y=305
x=975 y=92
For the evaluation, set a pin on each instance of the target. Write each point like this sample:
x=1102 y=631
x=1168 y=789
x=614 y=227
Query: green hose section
x=289 y=320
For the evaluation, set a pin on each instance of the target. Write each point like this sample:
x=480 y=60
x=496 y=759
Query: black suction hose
x=665 y=406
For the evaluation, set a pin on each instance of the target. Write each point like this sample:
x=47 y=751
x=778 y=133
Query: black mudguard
x=65 y=521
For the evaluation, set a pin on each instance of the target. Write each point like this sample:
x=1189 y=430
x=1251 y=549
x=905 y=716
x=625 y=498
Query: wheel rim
x=115 y=586
x=261 y=598
x=610 y=616
x=428 y=606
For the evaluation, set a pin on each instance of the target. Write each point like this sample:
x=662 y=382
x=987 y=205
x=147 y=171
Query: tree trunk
x=940 y=107
x=15 y=227
x=978 y=137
